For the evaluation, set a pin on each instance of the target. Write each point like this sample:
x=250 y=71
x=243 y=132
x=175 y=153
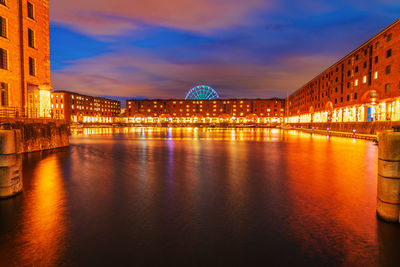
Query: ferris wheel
x=202 y=92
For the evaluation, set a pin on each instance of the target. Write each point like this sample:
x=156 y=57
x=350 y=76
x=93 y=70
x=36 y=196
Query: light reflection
x=44 y=219
x=182 y=133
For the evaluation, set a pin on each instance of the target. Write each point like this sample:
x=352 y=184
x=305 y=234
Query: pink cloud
x=196 y=15
x=144 y=75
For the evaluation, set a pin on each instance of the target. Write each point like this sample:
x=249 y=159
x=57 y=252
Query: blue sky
x=160 y=49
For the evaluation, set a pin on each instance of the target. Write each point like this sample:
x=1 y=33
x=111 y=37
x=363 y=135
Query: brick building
x=74 y=107
x=362 y=86
x=25 y=56
x=236 y=110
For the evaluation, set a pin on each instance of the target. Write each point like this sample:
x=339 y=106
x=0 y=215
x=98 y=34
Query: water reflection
x=44 y=216
x=37 y=237
x=199 y=196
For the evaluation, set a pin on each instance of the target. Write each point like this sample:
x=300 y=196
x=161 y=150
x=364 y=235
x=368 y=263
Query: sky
x=241 y=48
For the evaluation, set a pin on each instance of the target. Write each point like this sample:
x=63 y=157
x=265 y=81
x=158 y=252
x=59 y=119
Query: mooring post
x=10 y=163
x=388 y=202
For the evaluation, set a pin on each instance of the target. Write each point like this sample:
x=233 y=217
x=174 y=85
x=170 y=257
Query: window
x=32 y=67
x=389 y=37
x=365 y=64
x=377 y=45
x=356 y=57
x=388 y=69
x=355 y=95
x=356 y=82
x=389 y=53
x=3 y=59
x=31 y=11
x=348 y=73
x=341 y=99
x=365 y=79
x=376 y=75
x=31 y=38
x=376 y=59
x=387 y=88
x=3 y=27
x=335 y=100
x=3 y=2
x=4 y=94
x=356 y=69
x=348 y=97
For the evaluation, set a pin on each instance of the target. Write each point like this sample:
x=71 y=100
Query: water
x=203 y=197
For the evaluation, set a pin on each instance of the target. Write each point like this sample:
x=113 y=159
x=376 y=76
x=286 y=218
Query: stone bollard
x=10 y=163
x=388 y=203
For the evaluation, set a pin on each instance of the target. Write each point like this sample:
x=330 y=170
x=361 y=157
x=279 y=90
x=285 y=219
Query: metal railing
x=31 y=113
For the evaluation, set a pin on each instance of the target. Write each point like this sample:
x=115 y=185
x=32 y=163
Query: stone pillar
x=388 y=203
x=10 y=163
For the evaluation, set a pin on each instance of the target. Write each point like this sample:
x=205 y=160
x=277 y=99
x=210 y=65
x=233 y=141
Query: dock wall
x=37 y=135
x=350 y=127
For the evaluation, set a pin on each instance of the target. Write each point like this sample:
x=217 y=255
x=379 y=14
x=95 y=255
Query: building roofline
x=350 y=53
x=69 y=92
x=217 y=99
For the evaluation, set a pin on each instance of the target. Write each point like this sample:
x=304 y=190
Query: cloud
x=113 y=18
x=139 y=75
x=252 y=48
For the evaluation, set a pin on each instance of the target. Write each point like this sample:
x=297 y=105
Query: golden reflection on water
x=183 y=133
x=44 y=219
x=332 y=177
x=172 y=188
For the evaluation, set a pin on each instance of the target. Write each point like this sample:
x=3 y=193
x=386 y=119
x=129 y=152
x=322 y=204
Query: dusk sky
x=241 y=48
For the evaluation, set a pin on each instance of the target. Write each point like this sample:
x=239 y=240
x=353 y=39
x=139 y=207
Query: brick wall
x=17 y=75
x=350 y=81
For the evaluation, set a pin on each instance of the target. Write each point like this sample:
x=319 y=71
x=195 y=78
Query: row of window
x=30 y=9
x=3 y=32
x=387 y=71
x=387 y=91
x=4 y=62
x=31 y=39
x=351 y=61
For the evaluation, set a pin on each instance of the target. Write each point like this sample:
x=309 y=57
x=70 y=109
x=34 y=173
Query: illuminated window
x=365 y=79
x=356 y=82
x=376 y=75
x=4 y=94
x=387 y=88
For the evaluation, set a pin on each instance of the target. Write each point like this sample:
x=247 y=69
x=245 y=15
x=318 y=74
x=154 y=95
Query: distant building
x=216 y=110
x=362 y=86
x=75 y=107
x=25 y=56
